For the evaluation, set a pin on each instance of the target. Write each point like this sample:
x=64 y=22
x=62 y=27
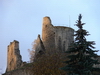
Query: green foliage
x=81 y=55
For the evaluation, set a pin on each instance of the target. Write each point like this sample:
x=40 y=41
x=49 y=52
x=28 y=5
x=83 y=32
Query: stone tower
x=48 y=34
x=63 y=37
x=14 y=59
x=58 y=37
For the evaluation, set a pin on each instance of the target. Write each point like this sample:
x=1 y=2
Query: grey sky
x=22 y=20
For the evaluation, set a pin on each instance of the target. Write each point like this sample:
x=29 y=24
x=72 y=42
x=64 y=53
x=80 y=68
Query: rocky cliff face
x=14 y=59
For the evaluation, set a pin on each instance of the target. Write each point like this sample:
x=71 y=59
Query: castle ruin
x=53 y=37
x=14 y=59
x=56 y=37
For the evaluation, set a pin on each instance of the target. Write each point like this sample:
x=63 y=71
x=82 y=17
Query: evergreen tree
x=81 y=55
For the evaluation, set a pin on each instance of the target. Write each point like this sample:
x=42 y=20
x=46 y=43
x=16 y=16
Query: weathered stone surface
x=14 y=59
x=39 y=50
x=63 y=37
x=48 y=34
x=58 y=37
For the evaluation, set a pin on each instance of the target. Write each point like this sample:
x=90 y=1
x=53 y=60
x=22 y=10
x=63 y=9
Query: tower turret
x=14 y=59
x=48 y=34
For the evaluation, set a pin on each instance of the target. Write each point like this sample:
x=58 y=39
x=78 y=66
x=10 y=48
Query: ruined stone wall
x=48 y=34
x=58 y=37
x=39 y=48
x=63 y=37
x=13 y=56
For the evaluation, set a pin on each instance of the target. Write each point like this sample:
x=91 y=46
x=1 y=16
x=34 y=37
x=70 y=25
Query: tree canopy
x=81 y=56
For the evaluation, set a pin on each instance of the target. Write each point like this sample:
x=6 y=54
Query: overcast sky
x=21 y=20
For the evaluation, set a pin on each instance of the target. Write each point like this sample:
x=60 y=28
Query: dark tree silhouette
x=81 y=55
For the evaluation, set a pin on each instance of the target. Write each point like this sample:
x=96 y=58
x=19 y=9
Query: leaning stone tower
x=14 y=59
x=58 y=37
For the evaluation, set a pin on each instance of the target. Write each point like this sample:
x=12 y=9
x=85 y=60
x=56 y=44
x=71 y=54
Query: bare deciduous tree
x=32 y=52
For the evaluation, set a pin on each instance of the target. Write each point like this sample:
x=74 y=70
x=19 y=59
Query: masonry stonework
x=48 y=34
x=14 y=59
x=39 y=49
x=58 y=37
